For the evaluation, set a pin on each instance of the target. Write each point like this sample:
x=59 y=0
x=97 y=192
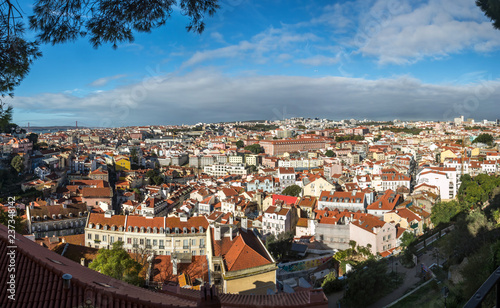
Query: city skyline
x=381 y=60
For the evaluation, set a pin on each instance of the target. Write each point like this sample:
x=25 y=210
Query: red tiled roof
x=163 y=271
x=286 y=199
x=39 y=281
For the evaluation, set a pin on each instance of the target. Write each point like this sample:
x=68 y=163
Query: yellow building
x=239 y=261
x=122 y=163
x=316 y=187
x=447 y=154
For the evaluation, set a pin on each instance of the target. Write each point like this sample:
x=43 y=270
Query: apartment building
x=162 y=235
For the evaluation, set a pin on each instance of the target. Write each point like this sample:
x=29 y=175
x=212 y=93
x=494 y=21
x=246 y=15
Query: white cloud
x=260 y=48
x=208 y=96
x=319 y=60
x=400 y=35
x=219 y=38
x=105 y=80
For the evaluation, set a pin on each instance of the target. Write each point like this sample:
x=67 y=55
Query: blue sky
x=277 y=58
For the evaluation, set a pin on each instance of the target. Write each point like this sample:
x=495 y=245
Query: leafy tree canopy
x=484 y=138
x=117 y=263
x=240 y=144
x=330 y=153
x=17 y=163
x=292 y=190
x=279 y=245
x=254 y=148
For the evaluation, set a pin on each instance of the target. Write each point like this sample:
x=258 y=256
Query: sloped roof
x=39 y=281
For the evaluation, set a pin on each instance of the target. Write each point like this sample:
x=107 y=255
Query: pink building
x=278 y=147
x=370 y=231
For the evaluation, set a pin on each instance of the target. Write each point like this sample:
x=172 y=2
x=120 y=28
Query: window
x=129 y=241
x=89 y=236
x=202 y=242
x=104 y=238
x=141 y=241
x=148 y=242
x=202 y=252
x=168 y=253
x=185 y=244
x=193 y=252
x=193 y=242
x=120 y=239
x=111 y=239
x=160 y=252
x=96 y=237
x=155 y=242
x=135 y=241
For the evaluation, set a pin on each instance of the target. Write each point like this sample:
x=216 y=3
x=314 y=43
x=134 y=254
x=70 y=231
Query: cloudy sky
x=270 y=59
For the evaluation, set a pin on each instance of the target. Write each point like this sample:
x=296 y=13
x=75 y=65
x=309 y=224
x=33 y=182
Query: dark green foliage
x=154 y=177
x=157 y=180
x=373 y=276
x=491 y=8
x=331 y=284
x=292 y=190
x=407 y=239
x=258 y=127
x=484 y=138
x=444 y=212
x=412 y=131
x=14 y=220
x=5 y=117
x=279 y=246
x=117 y=263
x=349 y=137
x=17 y=163
x=111 y=21
x=240 y=144
x=33 y=138
x=254 y=148
x=16 y=53
x=330 y=153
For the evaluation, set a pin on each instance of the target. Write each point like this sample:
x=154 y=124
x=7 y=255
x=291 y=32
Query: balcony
x=161 y=247
x=185 y=247
x=148 y=246
x=135 y=245
x=202 y=245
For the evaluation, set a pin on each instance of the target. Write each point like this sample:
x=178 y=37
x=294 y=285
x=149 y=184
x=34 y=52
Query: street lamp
x=445 y=292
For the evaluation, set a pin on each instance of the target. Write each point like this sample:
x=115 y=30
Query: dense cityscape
x=236 y=153
x=276 y=208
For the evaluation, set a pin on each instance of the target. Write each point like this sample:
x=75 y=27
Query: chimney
x=66 y=281
x=217 y=233
x=231 y=233
x=174 y=264
x=244 y=224
x=231 y=220
x=354 y=192
x=82 y=261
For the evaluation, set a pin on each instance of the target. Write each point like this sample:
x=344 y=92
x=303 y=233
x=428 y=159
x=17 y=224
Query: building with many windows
x=162 y=235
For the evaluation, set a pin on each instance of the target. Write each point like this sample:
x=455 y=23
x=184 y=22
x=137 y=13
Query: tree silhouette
x=491 y=8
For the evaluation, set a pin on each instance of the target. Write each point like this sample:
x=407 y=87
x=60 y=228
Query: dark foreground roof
x=39 y=283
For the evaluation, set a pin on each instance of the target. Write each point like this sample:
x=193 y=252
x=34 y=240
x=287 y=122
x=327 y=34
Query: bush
x=331 y=284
